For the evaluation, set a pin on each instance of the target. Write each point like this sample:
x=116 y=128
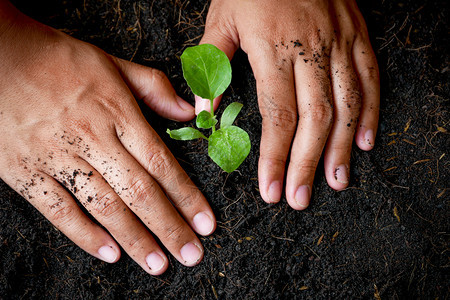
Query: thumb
x=154 y=88
x=225 y=40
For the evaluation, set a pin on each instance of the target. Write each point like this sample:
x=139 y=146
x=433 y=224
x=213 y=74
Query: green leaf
x=207 y=70
x=228 y=147
x=229 y=114
x=185 y=134
x=205 y=120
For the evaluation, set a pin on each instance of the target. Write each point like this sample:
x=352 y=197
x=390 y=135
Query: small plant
x=207 y=71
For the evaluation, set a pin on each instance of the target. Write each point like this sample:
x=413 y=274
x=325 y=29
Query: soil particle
x=297 y=43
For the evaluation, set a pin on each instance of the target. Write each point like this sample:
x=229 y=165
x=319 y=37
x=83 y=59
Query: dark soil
x=386 y=236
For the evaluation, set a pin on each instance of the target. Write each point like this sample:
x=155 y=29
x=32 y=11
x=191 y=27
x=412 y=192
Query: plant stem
x=212 y=107
x=212 y=113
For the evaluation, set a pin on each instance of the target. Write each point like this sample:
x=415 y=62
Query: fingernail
x=191 y=254
x=274 y=191
x=203 y=223
x=155 y=261
x=303 y=195
x=184 y=105
x=108 y=254
x=201 y=105
x=341 y=174
x=369 y=139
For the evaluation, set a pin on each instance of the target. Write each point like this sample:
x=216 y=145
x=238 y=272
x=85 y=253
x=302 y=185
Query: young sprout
x=207 y=71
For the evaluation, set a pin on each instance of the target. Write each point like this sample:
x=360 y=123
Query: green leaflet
x=205 y=120
x=228 y=147
x=229 y=114
x=185 y=134
x=207 y=70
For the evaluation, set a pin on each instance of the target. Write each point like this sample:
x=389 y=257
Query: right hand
x=70 y=122
x=317 y=82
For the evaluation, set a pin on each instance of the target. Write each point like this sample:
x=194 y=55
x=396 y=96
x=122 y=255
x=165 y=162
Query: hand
x=70 y=123
x=317 y=82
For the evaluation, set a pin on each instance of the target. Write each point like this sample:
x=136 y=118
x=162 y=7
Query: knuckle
x=370 y=74
x=183 y=192
x=265 y=46
x=342 y=148
x=61 y=213
x=185 y=201
x=280 y=117
x=160 y=163
x=77 y=128
x=137 y=240
x=142 y=192
x=106 y=204
x=319 y=113
x=353 y=101
x=319 y=39
x=306 y=165
x=157 y=75
x=272 y=161
x=174 y=232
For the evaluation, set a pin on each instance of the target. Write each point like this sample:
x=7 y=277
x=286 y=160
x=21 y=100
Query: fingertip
x=365 y=138
x=191 y=254
x=341 y=174
x=216 y=102
x=184 y=105
x=272 y=192
x=157 y=263
x=186 y=110
x=298 y=197
x=109 y=253
x=271 y=175
x=204 y=223
x=302 y=197
x=338 y=180
x=201 y=105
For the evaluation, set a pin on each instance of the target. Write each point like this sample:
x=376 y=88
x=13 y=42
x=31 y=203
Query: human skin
x=70 y=122
x=317 y=83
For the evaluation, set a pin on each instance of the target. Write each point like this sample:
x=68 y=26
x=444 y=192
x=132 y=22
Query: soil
x=386 y=236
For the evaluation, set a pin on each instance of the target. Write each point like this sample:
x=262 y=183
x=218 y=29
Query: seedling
x=207 y=71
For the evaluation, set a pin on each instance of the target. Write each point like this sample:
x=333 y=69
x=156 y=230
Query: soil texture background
x=384 y=237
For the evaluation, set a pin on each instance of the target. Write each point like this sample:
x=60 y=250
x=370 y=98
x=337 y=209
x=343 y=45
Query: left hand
x=317 y=83
x=72 y=135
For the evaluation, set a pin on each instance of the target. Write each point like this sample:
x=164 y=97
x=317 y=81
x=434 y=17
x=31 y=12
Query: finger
x=204 y=104
x=277 y=104
x=347 y=105
x=103 y=203
x=150 y=152
x=142 y=194
x=315 y=118
x=224 y=37
x=366 y=68
x=152 y=86
x=56 y=204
